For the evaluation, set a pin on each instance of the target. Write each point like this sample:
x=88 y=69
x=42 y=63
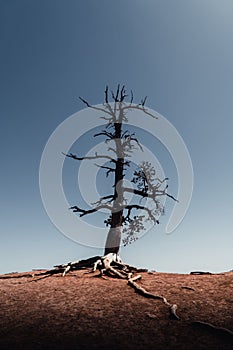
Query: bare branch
x=139 y=108
x=97 y=108
x=109 y=169
x=137 y=142
x=123 y=94
x=90 y=211
x=149 y=195
x=139 y=192
x=112 y=149
x=96 y=156
x=109 y=119
x=131 y=100
x=144 y=101
x=115 y=96
x=164 y=193
x=117 y=93
x=110 y=198
x=106 y=94
x=125 y=133
x=136 y=206
x=110 y=135
x=84 y=101
x=161 y=181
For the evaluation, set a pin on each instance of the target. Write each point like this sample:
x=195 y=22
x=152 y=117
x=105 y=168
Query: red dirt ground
x=82 y=311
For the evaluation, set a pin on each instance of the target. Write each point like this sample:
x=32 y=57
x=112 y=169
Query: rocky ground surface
x=84 y=311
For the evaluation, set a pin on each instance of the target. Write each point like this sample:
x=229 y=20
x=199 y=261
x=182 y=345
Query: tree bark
x=113 y=241
x=114 y=235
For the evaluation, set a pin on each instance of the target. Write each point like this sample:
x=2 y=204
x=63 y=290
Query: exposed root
x=19 y=275
x=205 y=273
x=210 y=326
x=173 y=314
x=112 y=266
x=38 y=279
x=201 y=273
x=116 y=273
x=142 y=291
x=187 y=287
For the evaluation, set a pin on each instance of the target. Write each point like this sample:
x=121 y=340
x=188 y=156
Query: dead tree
x=123 y=217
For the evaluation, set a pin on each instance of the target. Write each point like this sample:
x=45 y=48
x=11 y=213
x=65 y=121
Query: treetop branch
x=106 y=94
x=139 y=107
x=131 y=99
x=96 y=108
x=143 y=101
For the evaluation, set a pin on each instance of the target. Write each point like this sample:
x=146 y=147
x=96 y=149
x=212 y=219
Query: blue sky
x=179 y=53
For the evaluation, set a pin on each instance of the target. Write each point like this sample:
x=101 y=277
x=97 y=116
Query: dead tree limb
x=109 y=169
x=95 y=108
x=84 y=212
x=96 y=156
x=108 y=199
x=106 y=94
x=152 y=195
x=139 y=107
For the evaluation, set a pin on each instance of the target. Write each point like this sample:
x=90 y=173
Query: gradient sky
x=179 y=53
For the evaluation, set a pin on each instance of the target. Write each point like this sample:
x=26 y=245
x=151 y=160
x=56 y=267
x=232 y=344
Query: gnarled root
x=142 y=291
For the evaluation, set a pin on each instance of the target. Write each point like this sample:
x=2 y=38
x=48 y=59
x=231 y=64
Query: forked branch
x=109 y=169
x=139 y=107
x=138 y=207
x=108 y=199
x=149 y=195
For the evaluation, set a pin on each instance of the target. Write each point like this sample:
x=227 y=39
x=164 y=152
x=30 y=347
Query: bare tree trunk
x=113 y=240
x=114 y=235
